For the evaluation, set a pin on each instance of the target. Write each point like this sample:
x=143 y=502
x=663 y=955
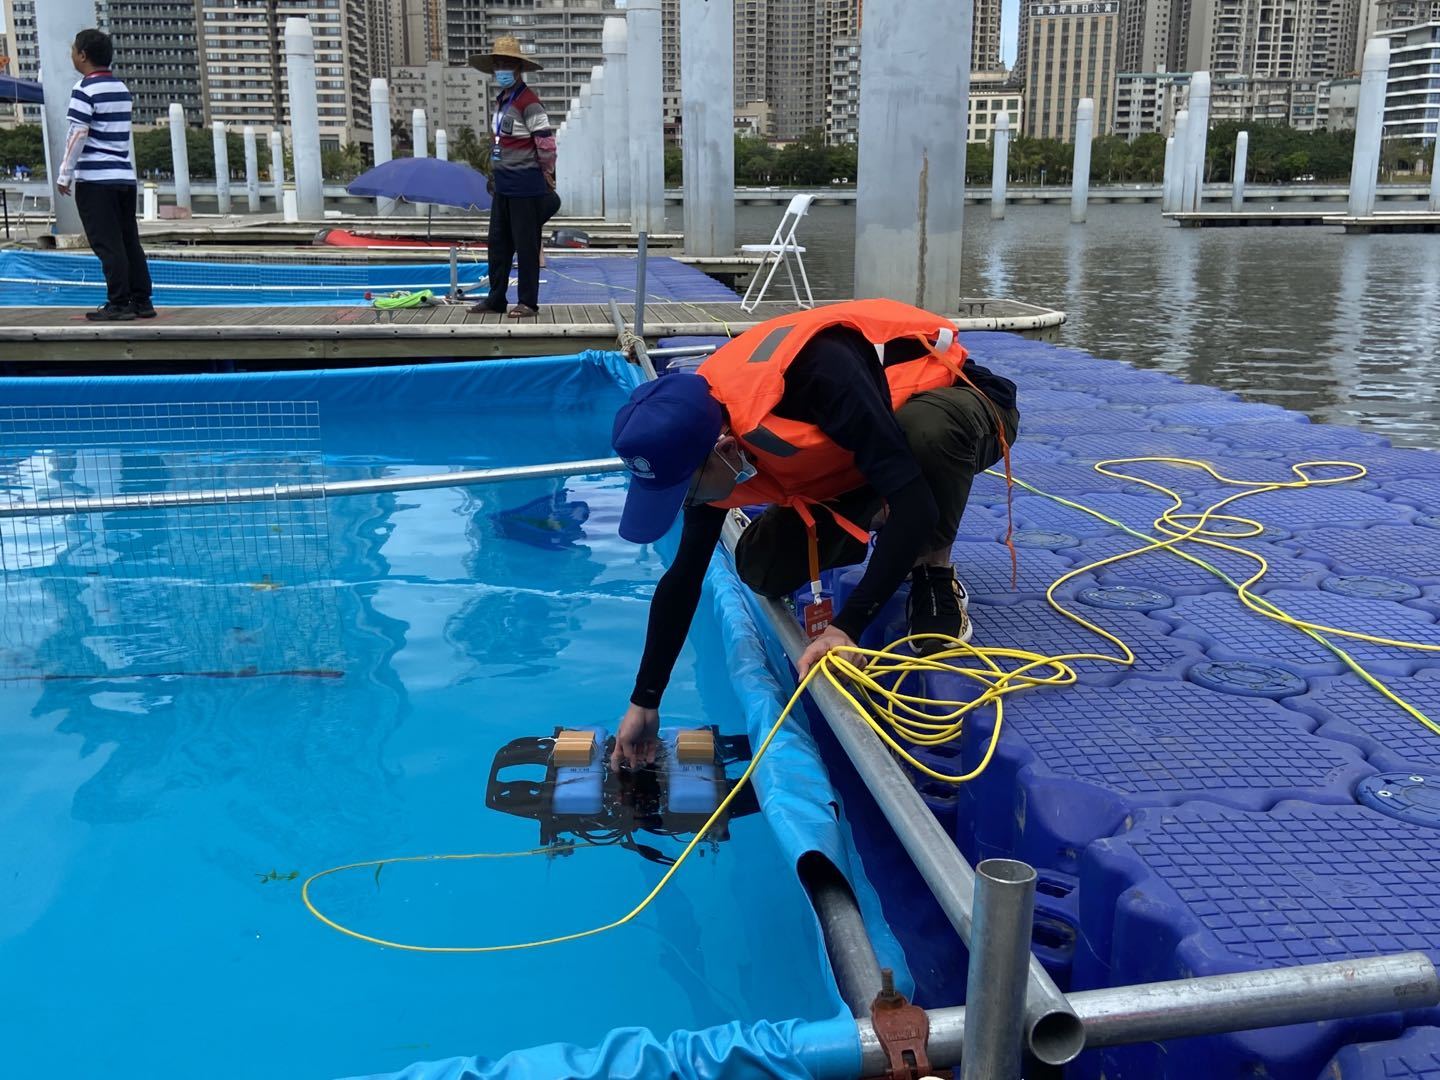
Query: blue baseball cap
x=663 y=433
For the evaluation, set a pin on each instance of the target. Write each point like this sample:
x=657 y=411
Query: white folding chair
x=782 y=248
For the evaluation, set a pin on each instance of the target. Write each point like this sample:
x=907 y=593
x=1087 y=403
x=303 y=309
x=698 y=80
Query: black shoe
x=938 y=604
x=144 y=309
x=484 y=308
x=112 y=313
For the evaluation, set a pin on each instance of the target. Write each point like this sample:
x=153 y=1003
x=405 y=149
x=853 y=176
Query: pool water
x=156 y=824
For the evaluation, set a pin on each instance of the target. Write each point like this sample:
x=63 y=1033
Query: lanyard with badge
x=505 y=103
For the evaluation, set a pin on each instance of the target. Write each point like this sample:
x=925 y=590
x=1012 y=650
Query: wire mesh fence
x=220 y=590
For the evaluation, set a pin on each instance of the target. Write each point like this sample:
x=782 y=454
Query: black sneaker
x=111 y=313
x=938 y=604
x=144 y=309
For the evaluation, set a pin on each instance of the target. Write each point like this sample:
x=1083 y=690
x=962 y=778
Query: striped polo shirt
x=524 y=144
x=102 y=103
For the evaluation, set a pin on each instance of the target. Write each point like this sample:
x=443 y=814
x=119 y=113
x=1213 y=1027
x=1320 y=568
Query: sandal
x=523 y=311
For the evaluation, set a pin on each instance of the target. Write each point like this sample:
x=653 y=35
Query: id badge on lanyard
x=500 y=126
x=819 y=612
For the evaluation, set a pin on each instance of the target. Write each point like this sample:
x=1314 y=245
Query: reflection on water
x=1344 y=328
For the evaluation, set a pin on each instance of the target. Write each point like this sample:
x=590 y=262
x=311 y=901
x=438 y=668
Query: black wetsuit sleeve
x=672 y=609
x=836 y=384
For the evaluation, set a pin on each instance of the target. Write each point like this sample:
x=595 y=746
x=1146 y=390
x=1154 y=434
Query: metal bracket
x=903 y=1030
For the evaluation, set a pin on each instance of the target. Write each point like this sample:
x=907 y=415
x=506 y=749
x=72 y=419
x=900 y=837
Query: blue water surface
x=160 y=804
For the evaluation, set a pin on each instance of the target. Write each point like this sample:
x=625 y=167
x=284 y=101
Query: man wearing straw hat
x=522 y=173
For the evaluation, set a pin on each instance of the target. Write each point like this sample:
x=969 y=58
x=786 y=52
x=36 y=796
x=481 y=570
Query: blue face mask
x=504 y=79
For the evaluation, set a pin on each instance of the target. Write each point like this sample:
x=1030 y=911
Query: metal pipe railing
x=276 y=492
x=995 y=983
x=1053 y=1034
x=1212 y=1005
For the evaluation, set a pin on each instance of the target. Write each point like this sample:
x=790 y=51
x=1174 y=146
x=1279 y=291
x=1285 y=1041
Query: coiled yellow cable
x=873 y=680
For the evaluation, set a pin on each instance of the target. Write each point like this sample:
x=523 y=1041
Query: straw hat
x=506 y=48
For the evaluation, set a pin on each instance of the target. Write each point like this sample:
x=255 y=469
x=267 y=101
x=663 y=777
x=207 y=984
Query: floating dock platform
x=201 y=314
x=1393 y=221
x=1239 y=798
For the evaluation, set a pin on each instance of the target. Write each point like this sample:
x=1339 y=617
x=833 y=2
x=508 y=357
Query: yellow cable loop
x=874 y=680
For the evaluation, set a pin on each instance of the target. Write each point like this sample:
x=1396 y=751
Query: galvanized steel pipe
x=1214 y=1004
x=995 y=987
x=1053 y=1033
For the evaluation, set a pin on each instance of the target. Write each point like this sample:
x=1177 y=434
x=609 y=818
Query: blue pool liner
x=791 y=1050
x=75 y=280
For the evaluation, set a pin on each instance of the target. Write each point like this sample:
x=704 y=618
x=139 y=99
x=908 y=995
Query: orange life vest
x=798 y=463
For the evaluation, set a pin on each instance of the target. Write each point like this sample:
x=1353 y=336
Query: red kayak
x=560 y=238
x=345 y=238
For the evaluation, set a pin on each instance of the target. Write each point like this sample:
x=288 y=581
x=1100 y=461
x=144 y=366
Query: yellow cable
x=862 y=676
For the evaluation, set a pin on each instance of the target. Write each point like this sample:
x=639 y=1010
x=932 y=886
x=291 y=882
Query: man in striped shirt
x=99 y=168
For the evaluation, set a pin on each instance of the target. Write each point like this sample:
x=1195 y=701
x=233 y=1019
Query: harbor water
x=1344 y=328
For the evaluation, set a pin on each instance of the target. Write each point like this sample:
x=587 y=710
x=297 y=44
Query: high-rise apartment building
x=1401 y=14
x=564 y=36
x=156 y=53
x=1412 y=94
x=1146 y=102
x=985 y=37
x=842 y=92
x=1273 y=39
x=418 y=30
x=242 y=45
x=381 y=22
x=1073 y=52
x=452 y=97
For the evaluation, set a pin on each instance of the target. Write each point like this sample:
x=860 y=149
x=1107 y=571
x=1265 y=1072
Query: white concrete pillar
x=1192 y=195
x=566 y=165
x=1167 y=177
x=56 y=24
x=598 y=179
x=277 y=168
x=179 y=155
x=222 y=166
x=419 y=146
x=442 y=145
x=380 y=125
x=1369 y=127
x=304 y=119
x=1237 y=181
x=1435 y=179
x=1000 y=167
x=252 y=169
x=1080 y=167
x=1178 y=166
x=152 y=201
x=616 y=46
x=584 y=190
x=707 y=93
x=647 y=121
x=910 y=207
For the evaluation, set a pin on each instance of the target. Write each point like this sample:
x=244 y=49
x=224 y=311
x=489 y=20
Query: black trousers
x=107 y=211
x=952 y=434
x=516 y=225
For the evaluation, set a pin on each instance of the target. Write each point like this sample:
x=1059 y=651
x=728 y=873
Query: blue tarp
x=791 y=781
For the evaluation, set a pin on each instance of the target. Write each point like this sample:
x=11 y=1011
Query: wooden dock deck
x=320 y=335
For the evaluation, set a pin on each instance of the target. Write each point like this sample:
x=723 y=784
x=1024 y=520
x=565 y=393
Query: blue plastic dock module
x=1202 y=889
x=1074 y=764
x=1227 y=631
x=1169 y=573
x=1411 y=553
x=1413 y=1056
x=1350 y=710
